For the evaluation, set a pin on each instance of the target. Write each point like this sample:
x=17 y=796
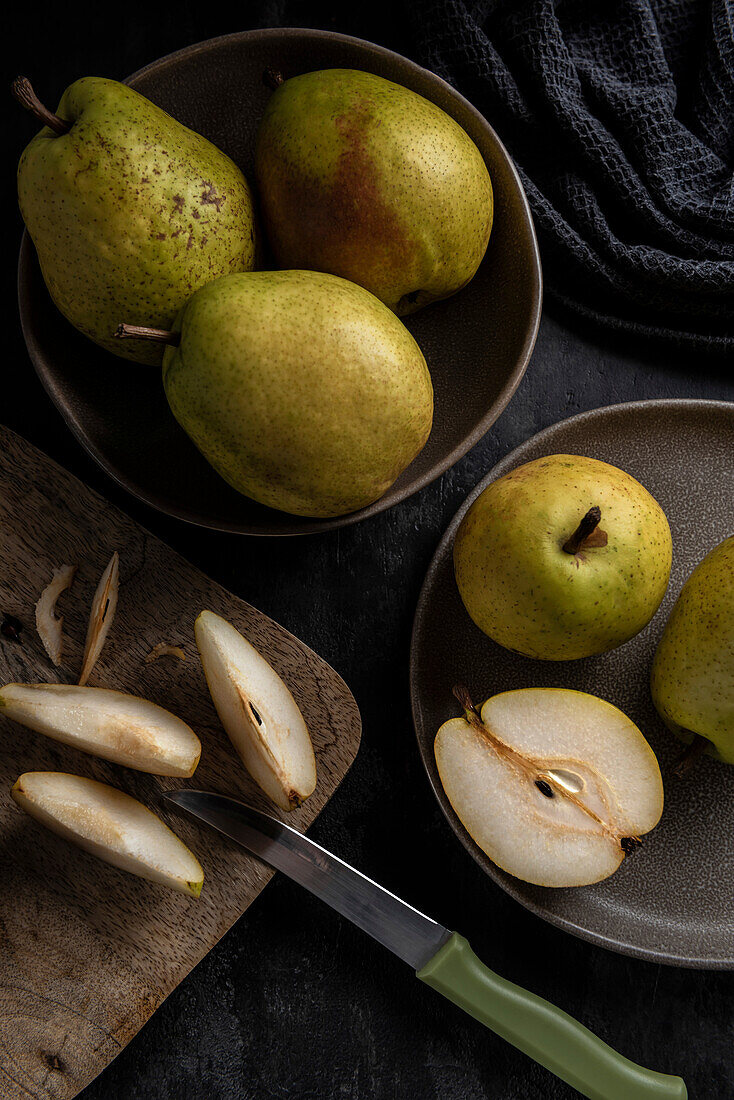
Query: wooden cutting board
x=87 y=952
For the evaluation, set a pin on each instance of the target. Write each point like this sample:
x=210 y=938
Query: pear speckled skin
x=366 y=179
x=301 y=389
x=692 y=679
x=527 y=593
x=130 y=213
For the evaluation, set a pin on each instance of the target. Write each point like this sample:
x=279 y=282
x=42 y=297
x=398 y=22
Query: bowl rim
x=512 y=886
x=299 y=525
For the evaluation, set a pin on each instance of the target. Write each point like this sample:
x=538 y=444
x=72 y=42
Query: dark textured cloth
x=620 y=117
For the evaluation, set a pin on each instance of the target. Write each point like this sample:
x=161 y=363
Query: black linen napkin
x=620 y=117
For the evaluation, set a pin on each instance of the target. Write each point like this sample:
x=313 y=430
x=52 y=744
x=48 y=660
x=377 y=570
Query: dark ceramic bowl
x=477 y=344
x=672 y=901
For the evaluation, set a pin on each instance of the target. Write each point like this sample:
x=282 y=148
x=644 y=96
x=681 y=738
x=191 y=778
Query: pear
x=692 y=678
x=112 y=825
x=258 y=712
x=129 y=210
x=563 y=558
x=366 y=179
x=555 y=786
x=110 y=724
x=302 y=390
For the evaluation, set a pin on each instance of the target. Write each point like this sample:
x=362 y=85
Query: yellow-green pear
x=366 y=179
x=692 y=679
x=129 y=210
x=563 y=558
x=301 y=389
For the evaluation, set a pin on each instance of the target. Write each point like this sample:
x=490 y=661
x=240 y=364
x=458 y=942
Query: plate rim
x=691 y=962
x=297 y=525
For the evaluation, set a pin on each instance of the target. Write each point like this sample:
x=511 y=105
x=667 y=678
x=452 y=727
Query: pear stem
x=690 y=756
x=22 y=90
x=143 y=332
x=463 y=698
x=272 y=79
x=582 y=536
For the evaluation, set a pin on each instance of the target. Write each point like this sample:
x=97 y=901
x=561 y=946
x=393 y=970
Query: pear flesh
x=368 y=180
x=118 y=727
x=562 y=558
x=553 y=785
x=692 y=678
x=111 y=825
x=302 y=390
x=258 y=712
x=130 y=212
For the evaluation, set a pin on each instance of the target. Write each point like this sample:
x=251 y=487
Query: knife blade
x=409 y=934
x=442 y=959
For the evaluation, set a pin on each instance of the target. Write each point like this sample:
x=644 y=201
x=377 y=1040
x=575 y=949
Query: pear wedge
x=111 y=825
x=118 y=727
x=258 y=712
x=555 y=786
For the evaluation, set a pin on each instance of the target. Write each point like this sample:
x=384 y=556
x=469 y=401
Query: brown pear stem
x=463 y=698
x=22 y=89
x=582 y=536
x=143 y=332
x=690 y=757
x=272 y=79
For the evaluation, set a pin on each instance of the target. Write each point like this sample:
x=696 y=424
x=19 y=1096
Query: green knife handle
x=544 y=1032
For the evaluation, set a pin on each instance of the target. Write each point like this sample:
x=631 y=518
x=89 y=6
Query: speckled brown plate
x=477 y=344
x=674 y=902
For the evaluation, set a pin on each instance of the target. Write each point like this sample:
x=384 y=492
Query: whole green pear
x=692 y=678
x=130 y=211
x=562 y=558
x=303 y=390
x=366 y=179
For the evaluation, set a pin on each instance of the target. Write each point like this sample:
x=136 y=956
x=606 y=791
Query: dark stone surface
x=294 y=1002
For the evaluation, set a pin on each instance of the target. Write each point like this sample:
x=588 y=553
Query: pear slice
x=118 y=727
x=111 y=825
x=258 y=712
x=555 y=786
x=104 y=605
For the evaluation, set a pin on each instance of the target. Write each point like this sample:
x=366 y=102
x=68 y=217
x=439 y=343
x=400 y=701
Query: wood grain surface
x=87 y=952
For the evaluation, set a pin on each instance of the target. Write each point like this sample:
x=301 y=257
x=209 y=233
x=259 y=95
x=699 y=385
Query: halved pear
x=118 y=727
x=258 y=712
x=555 y=786
x=111 y=825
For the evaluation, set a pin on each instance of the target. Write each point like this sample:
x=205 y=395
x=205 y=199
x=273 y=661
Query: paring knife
x=442 y=959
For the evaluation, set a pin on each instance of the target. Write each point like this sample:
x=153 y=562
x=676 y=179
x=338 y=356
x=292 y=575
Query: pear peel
x=509 y=773
x=122 y=728
x=49 y=625
x=258 y=712
x=110 y=824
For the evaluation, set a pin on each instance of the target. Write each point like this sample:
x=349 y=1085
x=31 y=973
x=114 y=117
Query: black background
x=294 y=1002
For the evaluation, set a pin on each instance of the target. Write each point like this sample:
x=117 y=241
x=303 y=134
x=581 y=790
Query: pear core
x=555 y=786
